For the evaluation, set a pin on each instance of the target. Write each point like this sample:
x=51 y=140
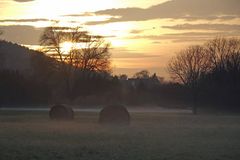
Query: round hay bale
x=114 y=114
x=61 y=112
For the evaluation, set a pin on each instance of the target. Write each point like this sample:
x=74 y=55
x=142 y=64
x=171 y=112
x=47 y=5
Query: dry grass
x=151 y=136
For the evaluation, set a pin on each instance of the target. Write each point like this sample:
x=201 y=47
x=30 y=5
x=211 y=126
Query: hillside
x=15 y=57
x=24 y=75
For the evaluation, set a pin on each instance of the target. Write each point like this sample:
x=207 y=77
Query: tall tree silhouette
x=225 y=59
x=188 y=66
x=93 y=55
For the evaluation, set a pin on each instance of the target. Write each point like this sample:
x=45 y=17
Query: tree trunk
x=195 y=98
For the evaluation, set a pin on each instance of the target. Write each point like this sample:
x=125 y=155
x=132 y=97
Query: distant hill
x=25 y=75
x=16 y=57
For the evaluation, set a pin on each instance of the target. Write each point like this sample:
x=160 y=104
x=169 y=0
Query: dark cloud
x=135 y=31
x=80 y=15
x=156 y=42
x=138 y=31
x=189 y=36
x=23 y=0
x=176 y=9
x=26 y=20
x=128 y=55
x=28 y=35
x=217 y=27
x=125 y=53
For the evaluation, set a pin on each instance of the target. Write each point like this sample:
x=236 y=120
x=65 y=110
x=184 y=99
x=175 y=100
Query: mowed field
x=151 y=136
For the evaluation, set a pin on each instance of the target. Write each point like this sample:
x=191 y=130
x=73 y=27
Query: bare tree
x=188 y=66
x=86 y=52
x=225 y=58
x=1 y=55
x=53 y=39
x=93 y=55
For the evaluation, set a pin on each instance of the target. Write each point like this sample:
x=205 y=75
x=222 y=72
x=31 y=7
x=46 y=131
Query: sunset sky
x=144 y=33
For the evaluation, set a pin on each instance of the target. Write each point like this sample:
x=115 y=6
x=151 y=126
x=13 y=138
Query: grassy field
x=151 y=136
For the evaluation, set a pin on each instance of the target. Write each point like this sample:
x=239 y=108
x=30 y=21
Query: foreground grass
x=151 y=136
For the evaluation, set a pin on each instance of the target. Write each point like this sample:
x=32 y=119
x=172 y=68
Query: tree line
x=202 y=75
x=211 y=71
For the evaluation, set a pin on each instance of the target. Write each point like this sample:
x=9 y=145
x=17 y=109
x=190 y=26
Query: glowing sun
x=66 y=47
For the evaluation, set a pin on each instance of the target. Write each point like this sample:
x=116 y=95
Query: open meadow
x=28 y=135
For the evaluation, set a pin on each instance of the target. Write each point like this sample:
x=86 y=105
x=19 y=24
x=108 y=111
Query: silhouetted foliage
x=222 y=84
x=87 y=53
x=206 y=75
x=144 y=74
x=53 y=38
x=211 y=70
x=19 y=84
x=139 y=90
x=43 y=80
x=123 y=77
x=188 y=66
x=225 y=60
x=18 y=90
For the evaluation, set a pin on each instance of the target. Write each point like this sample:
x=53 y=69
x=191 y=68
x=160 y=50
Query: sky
x=144 y=34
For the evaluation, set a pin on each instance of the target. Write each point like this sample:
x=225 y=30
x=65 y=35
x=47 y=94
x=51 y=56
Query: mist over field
x=31 y=135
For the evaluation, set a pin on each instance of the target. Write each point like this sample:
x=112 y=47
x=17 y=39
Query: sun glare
x=66 y=47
